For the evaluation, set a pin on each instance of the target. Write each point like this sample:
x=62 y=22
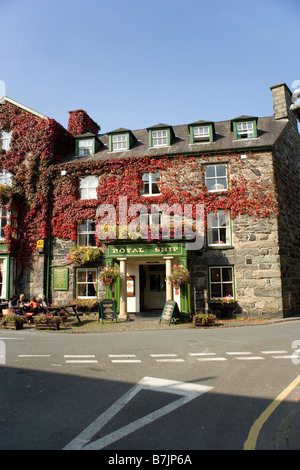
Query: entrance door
x=153 y=287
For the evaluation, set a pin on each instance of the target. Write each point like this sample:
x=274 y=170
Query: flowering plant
x=46 y=318
x=83 y=255
x=179 y=276
x=228 y=299
x=109 y=275
x=13 y=318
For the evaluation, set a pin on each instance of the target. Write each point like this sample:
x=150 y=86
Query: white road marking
x=188 y=392
x=273 y=352
x=238 y=353
x=250 y=358
x=170 y=360
x=80 y=359
x=121 y=355
x=126 y=361
x=124 y=358
x=163 y=355
x=34 y=355
x=203 y=354
x=202 y=359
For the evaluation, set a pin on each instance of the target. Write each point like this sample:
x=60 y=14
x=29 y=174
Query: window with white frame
x=86 y=282
x=216 y=177
x=5 y=138
x=151 y=184
x=159 y=138
x=201 y=133
x=86 y=233
x=218 y=228
x=85 y=147
x=88 y=187
x=245 y=130
x=221 y=282
x=6 y=178
x=119 y=142
x=3 y=221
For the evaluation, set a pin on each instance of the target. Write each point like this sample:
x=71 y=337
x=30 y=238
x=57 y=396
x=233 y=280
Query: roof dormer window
x=120 y=140
x=159 y=138
x=244 y=127
x=85 y=147
x=160 y=135
x=201 y=131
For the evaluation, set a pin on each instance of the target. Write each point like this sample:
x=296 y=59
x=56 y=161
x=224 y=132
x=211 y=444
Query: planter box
x=47 y=326
x=13 y=325
x=208 y=322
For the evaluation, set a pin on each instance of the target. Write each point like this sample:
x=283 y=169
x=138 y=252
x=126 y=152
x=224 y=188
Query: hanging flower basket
x=179 y=276
x=109 y=276
x=83 y=255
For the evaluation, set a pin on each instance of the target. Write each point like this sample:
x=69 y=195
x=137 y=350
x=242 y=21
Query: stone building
x=244 y=173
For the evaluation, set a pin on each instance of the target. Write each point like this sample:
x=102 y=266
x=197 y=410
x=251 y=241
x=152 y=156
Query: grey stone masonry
x=282 y=100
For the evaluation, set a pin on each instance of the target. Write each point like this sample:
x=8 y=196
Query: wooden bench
x=64 y=312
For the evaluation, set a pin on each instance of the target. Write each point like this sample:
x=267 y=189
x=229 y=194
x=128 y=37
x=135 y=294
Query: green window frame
x=119 y=142
x=244 y=129
x=86 y=283
x=85 y=146
x=221 y=280
x=159 y=134
x=201 y=133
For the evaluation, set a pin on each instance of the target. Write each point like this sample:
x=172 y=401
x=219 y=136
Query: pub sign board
x=170 y=312
x=107 y=310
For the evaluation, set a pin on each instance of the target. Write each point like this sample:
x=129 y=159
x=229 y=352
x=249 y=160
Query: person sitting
x=41 y=303
x=32 y=309
x=12 y=304
x=20 y=307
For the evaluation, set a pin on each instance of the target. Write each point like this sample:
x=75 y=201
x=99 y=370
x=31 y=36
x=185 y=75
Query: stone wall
x=59 y=250
x=254 y=253
x=287 y=177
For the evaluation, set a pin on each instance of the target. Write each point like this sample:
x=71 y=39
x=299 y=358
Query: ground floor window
x=221 y=281
x=86 y=282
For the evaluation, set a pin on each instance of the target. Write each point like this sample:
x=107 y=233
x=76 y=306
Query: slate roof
x=268 y=131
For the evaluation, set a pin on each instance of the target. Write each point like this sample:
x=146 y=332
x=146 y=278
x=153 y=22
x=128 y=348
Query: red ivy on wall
x=124 y=178
x=80 y=123
x=36 y=144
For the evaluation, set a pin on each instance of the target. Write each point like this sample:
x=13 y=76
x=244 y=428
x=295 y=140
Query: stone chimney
x=282 y=101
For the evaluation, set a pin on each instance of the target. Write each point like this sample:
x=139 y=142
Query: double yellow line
x=250 y=443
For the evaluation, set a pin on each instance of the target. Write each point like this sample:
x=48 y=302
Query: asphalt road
x=174 y=391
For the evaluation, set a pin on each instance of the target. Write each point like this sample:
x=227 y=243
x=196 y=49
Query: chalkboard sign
x=107 y=310
x=170 y=312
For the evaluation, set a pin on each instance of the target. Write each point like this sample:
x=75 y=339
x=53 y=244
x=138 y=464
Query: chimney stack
x=282 y=101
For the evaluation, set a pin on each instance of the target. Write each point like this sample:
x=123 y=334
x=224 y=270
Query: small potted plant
x=204 y=319
x=109 y=275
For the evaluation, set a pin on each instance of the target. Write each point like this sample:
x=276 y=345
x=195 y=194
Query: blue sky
x=137 y=63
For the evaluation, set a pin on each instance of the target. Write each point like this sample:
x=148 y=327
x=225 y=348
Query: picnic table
x=64 y=312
